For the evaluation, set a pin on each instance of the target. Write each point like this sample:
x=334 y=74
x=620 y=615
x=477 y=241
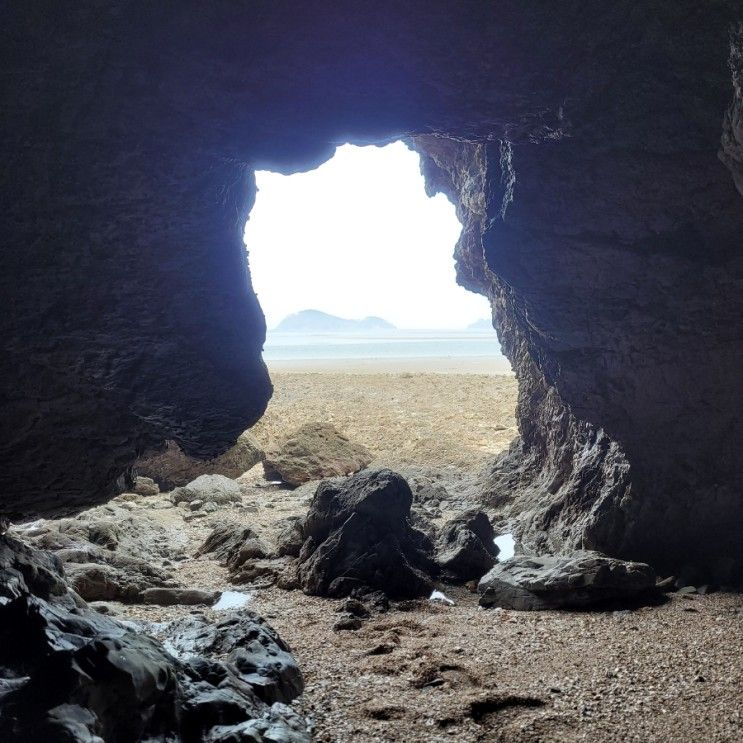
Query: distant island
x=314 y=321
x=481 y=325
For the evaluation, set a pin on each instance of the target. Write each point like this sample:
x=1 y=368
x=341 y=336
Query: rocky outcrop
x=208 y=489
x=24 y=570
x=111 y=579
x=234 y=545
x=465 y=549
x=358 y=535
x=576 y=581
x=110 y=553
x=579 y=144
x=314 y=452
x=71 y=674
x=290 y=537
x=171 y=467
x=250 y=648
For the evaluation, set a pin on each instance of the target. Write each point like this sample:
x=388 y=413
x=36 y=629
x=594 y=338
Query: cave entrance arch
x=353 y=264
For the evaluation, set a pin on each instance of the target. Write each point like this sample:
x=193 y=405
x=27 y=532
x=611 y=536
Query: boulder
x=171 y=468
x=313 y=452
x=465 y=549
x=103 y=581
x=265 y=571
x=145 y=486
x=248 y=645
x=72 y=674
x=582 y=579
x=24 y=569
x=182 y=596
x=225 y=540
x=358 y=534
x=234 y=545
x=208 y=489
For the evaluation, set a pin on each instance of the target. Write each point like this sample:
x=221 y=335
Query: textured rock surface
x=235 y=546
x=313 y=452
x=108 y=552
x=465 y=549
x=358 y=535
x=249 y=646
x=582 y=579
x=71 y=674
x=580 y=145
x=145 y=486
x=208 y=489
x=172 y=596
x=290 y=538
x=171 y=467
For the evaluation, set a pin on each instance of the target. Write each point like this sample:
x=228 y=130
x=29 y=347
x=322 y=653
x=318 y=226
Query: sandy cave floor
x=427 y=672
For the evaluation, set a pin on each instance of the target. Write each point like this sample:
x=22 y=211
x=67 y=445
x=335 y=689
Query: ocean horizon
x=387 y=344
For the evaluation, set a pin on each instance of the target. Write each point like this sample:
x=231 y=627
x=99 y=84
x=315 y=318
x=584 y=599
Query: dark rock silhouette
x=358 y=535
x=465 y=547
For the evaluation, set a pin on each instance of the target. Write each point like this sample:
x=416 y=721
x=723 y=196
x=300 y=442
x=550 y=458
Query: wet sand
x=487 y=365
x=403 y=418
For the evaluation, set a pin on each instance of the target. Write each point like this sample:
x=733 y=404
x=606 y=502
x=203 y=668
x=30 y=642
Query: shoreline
x=488 y=365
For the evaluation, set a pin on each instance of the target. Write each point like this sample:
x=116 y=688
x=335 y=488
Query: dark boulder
x=225 y=541
x=574 y=581
x=249 y=647
x=465 y=549
x=71 y=674
x=358 y=534
x=24 y=569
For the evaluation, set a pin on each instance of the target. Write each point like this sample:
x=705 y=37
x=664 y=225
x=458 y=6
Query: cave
x=612 y=262
x=595 y=157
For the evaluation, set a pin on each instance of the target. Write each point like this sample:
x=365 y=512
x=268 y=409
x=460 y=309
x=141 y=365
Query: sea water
x=394 y=344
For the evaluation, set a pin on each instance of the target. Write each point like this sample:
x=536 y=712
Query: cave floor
x=428 y=672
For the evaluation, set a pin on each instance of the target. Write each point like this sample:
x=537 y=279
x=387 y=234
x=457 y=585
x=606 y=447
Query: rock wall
x=611 y=255
x=579 y=143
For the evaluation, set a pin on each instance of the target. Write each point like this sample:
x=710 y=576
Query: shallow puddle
x=232 y=600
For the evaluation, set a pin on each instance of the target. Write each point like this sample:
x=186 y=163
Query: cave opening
x=593 y=152
x=367 y=329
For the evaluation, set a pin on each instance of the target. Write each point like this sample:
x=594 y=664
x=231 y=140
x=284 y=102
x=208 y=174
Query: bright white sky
x=358 y=237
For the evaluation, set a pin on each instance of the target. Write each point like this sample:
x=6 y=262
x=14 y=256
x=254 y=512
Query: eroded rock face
x=579 y=144
x=172 y=468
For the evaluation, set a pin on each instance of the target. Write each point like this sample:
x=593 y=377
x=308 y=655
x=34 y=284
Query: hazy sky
x=357 y=237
